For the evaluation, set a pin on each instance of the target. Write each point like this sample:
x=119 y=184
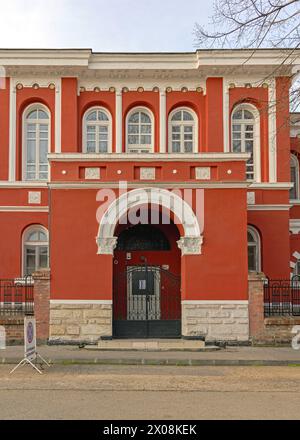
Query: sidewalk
x=232 y=356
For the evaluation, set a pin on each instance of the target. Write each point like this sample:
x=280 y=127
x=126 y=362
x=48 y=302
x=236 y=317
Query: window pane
x=237 y=146
x=176 y=128
x=178 y=116
x=188 y=147
x=134 y=118
x=103 y=147
x=43 y=260
x=103 y=129
x=92 y=116
x=145 y=118
x=133 y=140
x=237 y=135
x=249 y=135
x=293 y=191
x=252 y=263
x=146 y=129
x=248 y=114
x=102 y=116
x=188 y=129
x=249 y=146
x=91 y=128
x=91 y=147
x=187 y=116
x=176 y=137
x=249 y=127
x=32 y=115
x=145 y=140
x=133 y=129
x=176 y=147
x=238 y=114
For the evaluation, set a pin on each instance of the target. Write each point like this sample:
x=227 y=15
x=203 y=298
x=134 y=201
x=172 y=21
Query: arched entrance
x=147 y=284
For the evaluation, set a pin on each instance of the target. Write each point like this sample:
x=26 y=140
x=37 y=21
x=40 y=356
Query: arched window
x=140 y=131
x=97 y=131
x=35 y=250
x=245 y=137
x=183 y=131
x=254 y=250
x=294 y=192
x=36 y=142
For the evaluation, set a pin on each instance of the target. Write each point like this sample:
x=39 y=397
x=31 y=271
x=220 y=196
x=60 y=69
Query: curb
x=167 y=362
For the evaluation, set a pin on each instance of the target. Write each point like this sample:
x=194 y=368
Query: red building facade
x=150 y=184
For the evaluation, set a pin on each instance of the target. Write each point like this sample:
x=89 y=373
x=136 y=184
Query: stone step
x=152 y=345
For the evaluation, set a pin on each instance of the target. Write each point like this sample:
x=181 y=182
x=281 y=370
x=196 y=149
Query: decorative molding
x=23 y=185
x=203 y=173
x=92 y=173
x=190 y=245
x=34 y=197
x=148 y=173
x=251 y=198
x=269 y=207
x=139 y=157
x=294 y=226
x=157 y=185
x=271 y=185
x=24 y=209
x=107 y=246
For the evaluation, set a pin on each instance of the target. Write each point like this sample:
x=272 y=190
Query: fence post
x=41 y=293
x=256 y=305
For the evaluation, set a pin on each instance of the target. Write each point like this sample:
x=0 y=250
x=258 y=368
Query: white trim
x=24 y=209
x=135 y=185
x=215 y=302
x=271 y=186
x=296 y=255
x=153 y=128
x=58 y=106
x=12 y=130
x=163 y=121
x=194 y=124
x=190 y=243
x=80 y=302
x=119 y=121
x=272 y=132
x=26 y=112
x=131 y=157
x=269 y=207
x=84 y=128
x=226 y=119
x=23 y=184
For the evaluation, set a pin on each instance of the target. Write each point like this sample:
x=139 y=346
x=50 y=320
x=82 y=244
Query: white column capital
x=190 y=245
x=107 y=246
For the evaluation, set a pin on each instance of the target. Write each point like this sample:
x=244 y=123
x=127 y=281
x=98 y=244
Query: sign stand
x=31 y=354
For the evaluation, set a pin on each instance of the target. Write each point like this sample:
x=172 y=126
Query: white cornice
x=269 y=207
x=271 y=186
x=23 y=185
x=24 y=209
x=136 y=185
x=177 y=61
x=150 y=158
x=295 y=226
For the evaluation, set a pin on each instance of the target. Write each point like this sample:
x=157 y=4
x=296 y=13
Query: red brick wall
x=42 y=304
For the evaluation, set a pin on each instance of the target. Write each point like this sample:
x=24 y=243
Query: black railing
x=16 y=297
x=282 y=297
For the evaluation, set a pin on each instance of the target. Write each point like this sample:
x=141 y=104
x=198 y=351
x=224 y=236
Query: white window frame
x=25 y=242
x=255 y=234
x=295 y=162
x=32 y=107
x=194 y=124
x=140 y=148
x=256 y=144
x=97 y=123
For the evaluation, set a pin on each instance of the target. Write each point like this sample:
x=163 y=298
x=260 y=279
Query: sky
x=103 y=25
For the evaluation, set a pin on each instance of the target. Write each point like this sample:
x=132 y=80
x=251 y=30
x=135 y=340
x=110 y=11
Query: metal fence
x=282 y=297
x=16 y=297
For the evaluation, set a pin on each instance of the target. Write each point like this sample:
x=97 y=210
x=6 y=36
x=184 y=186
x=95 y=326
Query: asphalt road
x=132 y=393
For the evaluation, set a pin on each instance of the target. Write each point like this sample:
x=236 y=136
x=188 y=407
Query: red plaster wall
x=4 y=130
x=69 y=116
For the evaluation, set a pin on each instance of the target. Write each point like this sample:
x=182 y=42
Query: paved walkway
x=240 y=356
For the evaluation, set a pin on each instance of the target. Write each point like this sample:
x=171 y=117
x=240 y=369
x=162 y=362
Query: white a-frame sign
x=31 y=354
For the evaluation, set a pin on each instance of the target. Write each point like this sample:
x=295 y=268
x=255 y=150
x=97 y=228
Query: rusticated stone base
x=84 y=323
x=217 y=322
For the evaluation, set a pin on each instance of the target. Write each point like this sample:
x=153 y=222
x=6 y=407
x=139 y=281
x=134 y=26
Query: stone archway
x=191 y=241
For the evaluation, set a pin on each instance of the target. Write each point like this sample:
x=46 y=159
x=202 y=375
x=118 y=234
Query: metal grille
x=16 y=297
x=282 y=297
x=147 y=303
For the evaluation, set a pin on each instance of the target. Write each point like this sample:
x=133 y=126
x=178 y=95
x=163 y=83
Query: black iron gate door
x=147 y=303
